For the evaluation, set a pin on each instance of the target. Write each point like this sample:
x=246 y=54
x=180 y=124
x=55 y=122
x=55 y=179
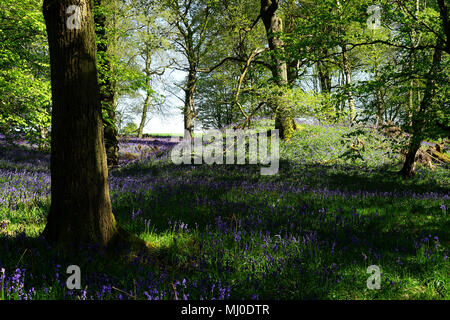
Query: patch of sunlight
x=157 y=240
x=174 y=242
x=31 y=230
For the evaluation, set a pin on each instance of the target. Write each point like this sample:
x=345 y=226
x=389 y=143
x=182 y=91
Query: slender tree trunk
x=148 y=82
x=379 y=97
x=380 y=108
x=340 y=105
x=189 y=106
x=348 y=82
x=108 y=86
x=412 y=62
x=419 y=119
x=411 y=103
x=111 y=138
x=324 y=74
x=193 y=54
x=289 y=27
x=324 y=78
x=80 y=211
x=144 y=115
x=284 y=121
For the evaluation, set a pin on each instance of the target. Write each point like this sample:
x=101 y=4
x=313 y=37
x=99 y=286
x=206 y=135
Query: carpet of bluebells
x=226 y=232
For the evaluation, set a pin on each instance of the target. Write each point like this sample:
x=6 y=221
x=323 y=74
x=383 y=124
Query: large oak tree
x=80 y=210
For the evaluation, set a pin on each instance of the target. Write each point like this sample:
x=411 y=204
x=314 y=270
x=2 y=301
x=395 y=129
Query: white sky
x=168 y=124
x=172 y=119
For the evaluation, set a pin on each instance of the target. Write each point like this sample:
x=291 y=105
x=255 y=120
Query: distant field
x=163 y=135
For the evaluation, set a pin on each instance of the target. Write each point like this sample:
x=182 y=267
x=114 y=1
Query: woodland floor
x=226 y=232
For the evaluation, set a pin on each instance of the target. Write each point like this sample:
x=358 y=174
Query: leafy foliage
x=24 y=71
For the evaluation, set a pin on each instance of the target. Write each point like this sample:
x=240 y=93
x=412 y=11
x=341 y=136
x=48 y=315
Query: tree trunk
x=443 y=10
x=420 y=118
x=80 y=211
x=144 y=115
x=412 y=62
x=324 y=78
x=380 y=108
x=324 y=74
x=409 y=166
x=379 y=97
x=284 y=121
x=289 y=27
x=111 y=139
x=189 y=106
x=108 y=86
x=411 y=103
x=348 y=82
x=148 y=83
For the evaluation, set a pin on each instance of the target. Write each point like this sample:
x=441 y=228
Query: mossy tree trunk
x=420 y=118
x=80 y=211
x=284 y=121
x=108 y=85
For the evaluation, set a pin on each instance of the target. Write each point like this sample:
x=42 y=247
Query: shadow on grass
x=280 y=237
x=395 y=223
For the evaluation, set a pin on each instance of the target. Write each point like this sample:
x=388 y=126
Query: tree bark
x=108 y=87
x=419 y=119
x=443 y=11
x=324 y=78
x=144 y=115
x=324 y=74
x=410 y=110
x=380 y=105
x=289 y=27
x=380 y=110
x=273 y=24
x=189 y=106
x=348 y=82
x=80 y=211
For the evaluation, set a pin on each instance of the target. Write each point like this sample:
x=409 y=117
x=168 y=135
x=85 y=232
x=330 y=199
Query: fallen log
x=441 y=156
